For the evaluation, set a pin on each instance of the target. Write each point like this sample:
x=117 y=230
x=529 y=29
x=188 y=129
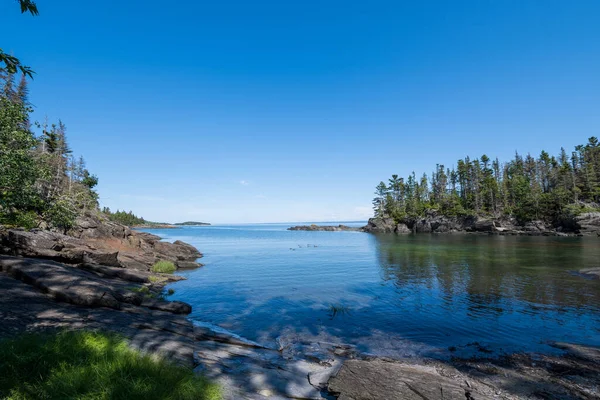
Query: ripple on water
x=401 y=295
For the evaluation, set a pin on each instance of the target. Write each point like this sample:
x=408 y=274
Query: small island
x=192 y=223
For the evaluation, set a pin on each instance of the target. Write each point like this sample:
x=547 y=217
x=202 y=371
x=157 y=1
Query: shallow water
x=409 y=295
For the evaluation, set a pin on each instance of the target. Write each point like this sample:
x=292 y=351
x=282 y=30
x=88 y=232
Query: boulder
x=402 y=228
x=55 y=246
x=422 y=226
x=588 y=223
x=380 y=225
x=484 y=225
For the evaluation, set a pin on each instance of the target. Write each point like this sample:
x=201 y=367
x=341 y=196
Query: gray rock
x=380 y=225
x=377 y=379
x=24 y=308
x=78 y=286
x=591 y=272
x=95 y=240
x=484 y=225
x=175 y=307
x=402 y=228
x=327 y=228
x=588 y=223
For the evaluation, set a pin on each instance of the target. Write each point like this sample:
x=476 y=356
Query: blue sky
x=267 y=111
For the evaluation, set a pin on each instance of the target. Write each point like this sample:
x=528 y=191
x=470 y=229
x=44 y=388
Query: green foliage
x=40 y=180
x=61 y=215
x=123 y=217
x=90 y=365
x=141 y=289
x=23 y=219
x=525 y=188
x=157 y=279
x=11 y=63
x=164 y=267
x=20 y=169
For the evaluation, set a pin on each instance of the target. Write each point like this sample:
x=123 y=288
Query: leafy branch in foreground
x=11 y=63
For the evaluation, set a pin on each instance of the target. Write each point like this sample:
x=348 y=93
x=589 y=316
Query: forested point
x=42 y=184
x=124 y=217
x=526 y=188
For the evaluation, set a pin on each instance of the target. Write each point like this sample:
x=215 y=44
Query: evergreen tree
x=525 y=187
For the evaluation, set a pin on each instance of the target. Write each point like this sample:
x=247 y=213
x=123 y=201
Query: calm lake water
x=410 y=295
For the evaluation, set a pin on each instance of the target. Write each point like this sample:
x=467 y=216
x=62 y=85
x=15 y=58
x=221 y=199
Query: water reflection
x=405 y=295
x=489 y=270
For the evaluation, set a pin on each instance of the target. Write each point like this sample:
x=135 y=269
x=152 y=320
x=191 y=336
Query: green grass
x=142 y=289
x=90 y=365
x=164 y=267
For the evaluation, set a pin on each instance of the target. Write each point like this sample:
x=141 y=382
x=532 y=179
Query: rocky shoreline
x=98 y=277
x=586 y=224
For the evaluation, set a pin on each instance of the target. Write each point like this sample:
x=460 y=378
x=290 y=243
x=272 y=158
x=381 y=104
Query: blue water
x=415 y=295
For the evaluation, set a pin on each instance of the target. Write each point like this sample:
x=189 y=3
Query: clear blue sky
x=261 y=111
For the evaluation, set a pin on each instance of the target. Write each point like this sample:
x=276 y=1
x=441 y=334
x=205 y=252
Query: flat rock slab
x=378 y=379
x=68 y=284
x=80 y=287
x=23 y=308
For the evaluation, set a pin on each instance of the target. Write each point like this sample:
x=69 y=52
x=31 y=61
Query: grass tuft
x=91 y=365
x=164 y=267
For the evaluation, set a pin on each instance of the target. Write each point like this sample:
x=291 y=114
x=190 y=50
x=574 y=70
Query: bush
x=90 y=365
x=61 y=215
x=21 y=219
x=164 y=267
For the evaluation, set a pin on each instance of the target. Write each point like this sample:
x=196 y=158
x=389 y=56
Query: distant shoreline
x=159 y=225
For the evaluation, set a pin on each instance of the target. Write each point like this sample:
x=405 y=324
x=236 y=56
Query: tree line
x=41 y=183
x=527 y=188
x=124 y=217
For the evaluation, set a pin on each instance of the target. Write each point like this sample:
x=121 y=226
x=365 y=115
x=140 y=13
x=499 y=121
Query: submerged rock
x=591 y=272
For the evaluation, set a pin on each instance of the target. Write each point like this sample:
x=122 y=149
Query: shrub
x=21 y=219
x=61 y=215
x=91 y=365
x=164 y=267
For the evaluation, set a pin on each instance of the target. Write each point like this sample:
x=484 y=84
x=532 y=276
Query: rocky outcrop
x=574 y=374
x=95 y=240
x=56 y=246
x=379 y=379
x=434 y=222
x=328 y=228
x=25 y=308
x=83 y=287
x=588 y=223
x=380 y=225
